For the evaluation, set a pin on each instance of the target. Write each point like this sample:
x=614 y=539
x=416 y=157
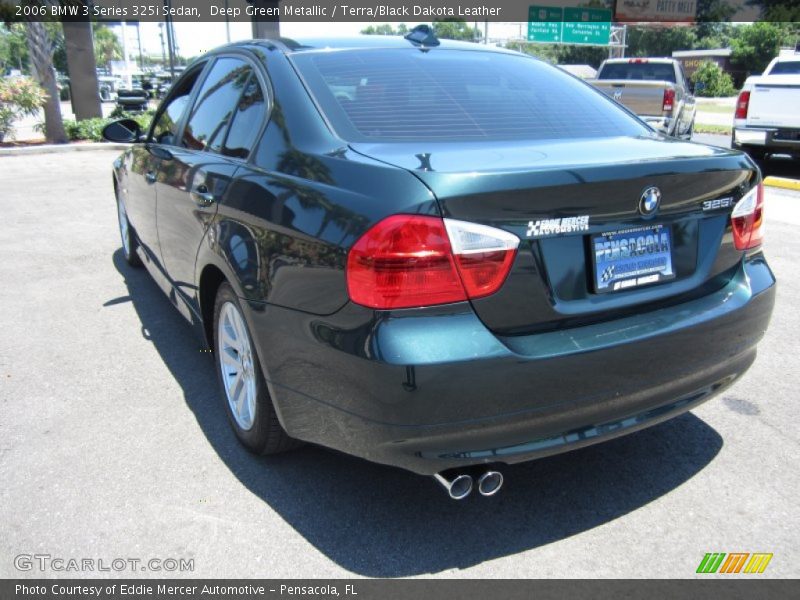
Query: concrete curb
x=59 y=148
x=782 y=182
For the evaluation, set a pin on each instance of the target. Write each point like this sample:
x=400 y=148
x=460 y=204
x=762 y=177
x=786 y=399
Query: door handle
x=202 y=196
x=150 y=176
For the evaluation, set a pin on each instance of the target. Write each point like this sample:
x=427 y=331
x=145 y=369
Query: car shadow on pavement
x=384 y=522
x=779 y=166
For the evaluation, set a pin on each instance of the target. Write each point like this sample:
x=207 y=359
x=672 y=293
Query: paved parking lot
x=113 y=441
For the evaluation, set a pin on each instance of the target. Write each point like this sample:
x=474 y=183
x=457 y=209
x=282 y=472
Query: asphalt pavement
x=114 y=443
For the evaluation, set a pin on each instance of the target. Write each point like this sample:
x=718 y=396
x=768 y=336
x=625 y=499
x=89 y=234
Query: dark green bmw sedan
x=440 y=256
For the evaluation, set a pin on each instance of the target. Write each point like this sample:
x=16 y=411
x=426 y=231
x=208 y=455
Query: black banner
x=391 y=589
x=381 y=11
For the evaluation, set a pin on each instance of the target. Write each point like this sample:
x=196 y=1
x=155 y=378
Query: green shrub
x=92 y=129
x=715 y=82
x=19 y=97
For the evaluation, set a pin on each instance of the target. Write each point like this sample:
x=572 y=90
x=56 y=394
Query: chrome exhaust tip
x=458 y=488
x=490 y=483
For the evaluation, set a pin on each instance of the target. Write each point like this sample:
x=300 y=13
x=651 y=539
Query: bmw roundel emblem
x=650 y=200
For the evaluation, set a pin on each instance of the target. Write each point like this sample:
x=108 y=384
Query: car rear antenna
x=422 y=35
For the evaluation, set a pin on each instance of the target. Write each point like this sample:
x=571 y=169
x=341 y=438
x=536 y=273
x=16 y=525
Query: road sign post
x=545 y=23
x=552 y=24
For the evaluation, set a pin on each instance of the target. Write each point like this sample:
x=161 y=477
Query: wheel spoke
x=234 y=387
x=229 y=360
x=229 y=335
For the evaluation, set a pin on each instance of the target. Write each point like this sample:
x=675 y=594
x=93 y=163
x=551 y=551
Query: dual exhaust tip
x=461 y=485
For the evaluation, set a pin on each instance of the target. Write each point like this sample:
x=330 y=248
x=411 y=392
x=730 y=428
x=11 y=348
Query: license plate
x=631 y=258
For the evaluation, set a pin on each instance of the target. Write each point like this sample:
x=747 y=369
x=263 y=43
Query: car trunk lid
x=555 y=196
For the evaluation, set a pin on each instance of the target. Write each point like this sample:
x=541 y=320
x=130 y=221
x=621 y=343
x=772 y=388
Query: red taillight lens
x=747 y=219
x=669 y=99
x=742 y=103
x=409 y=261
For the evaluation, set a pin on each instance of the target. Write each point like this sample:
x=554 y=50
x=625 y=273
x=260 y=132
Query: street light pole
x=227 y=23
x=170 y=39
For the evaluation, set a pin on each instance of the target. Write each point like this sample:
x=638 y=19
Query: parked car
x=441 y=273
x=767 y=117
x=656 y=89
x=132 y=100
x=108 y=87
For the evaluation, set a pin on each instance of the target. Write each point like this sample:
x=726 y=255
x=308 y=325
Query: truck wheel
x=247 y=400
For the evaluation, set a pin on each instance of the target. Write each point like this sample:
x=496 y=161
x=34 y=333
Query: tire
x=250 y=411
x=127 y=236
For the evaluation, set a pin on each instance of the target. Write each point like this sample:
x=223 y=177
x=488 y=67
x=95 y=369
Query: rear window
x=789 y=67
x=451 y=95
x=643 y=71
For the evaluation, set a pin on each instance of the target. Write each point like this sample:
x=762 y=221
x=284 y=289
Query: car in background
x=655 y=89
x=108 y=86
x=767 y=116
x=438 y=272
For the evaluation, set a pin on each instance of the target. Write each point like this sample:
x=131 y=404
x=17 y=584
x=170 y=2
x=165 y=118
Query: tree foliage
x=755 y=45
x=716 y=83
x=106 y=45
x=385 y=29
x=456 y=29
x=446 y=29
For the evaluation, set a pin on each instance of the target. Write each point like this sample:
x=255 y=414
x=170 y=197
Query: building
x=692 y=59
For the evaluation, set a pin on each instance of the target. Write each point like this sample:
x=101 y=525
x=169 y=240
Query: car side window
x=246 y=121
x=215 y=105
x=165 y=129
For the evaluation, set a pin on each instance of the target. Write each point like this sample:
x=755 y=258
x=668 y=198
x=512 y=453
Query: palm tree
x=40 y=51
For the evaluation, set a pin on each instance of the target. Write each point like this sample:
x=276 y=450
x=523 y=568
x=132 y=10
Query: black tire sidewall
x=131 y=258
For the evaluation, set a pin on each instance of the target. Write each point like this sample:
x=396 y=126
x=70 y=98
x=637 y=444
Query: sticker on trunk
x=631 y=258
x=545 y=227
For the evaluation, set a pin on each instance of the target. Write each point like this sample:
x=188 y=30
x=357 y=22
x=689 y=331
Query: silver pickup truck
x=656 y=89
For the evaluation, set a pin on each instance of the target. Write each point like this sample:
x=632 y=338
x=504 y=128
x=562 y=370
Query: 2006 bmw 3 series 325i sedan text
x=440 y=256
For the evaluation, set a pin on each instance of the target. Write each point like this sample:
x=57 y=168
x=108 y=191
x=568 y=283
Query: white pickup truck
x=767 y=117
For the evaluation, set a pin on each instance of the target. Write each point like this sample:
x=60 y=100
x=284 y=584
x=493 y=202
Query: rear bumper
x=430 y=390
x=785 y=139
x=662 y=124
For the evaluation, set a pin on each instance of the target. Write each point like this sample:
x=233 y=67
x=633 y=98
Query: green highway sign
x=586 y=26
x=552 y=24
x=544 y=23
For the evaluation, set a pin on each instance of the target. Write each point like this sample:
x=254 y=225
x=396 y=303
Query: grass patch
x=716 y=108
x=714 y=129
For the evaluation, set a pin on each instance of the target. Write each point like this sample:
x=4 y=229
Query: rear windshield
x=452 y=95
x=790 y=67
x=643 y=71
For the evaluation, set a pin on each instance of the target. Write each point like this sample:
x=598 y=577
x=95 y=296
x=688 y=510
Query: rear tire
x=244 y=390
x=127 y=236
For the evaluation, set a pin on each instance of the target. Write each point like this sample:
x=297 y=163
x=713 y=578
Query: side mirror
x=125 y=131
x=698 y=87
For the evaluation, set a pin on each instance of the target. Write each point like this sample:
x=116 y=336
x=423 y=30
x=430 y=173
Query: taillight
x=669 y=99
x=742 y=103
x=408 y=261
x=747 y=219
